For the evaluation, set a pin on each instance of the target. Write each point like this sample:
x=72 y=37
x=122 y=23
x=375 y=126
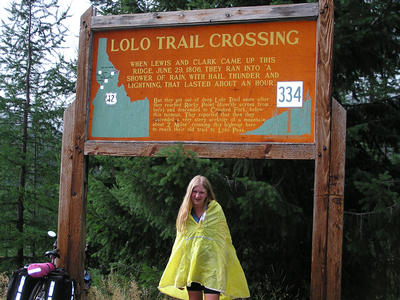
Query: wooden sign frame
x=206 y=17
x=327 y=150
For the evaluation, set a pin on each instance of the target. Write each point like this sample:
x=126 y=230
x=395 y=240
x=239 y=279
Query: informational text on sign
x=245 y=83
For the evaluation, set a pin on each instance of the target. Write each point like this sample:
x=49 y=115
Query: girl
x=203 y=259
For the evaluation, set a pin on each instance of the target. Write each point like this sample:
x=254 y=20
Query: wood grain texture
x=336 y=202
x=210 y=150
x=302 y=11
x=323 y=149
x=73 y=183
x=72 y=206
x=64 y=201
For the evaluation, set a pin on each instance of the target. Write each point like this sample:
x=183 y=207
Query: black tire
x=39 y=291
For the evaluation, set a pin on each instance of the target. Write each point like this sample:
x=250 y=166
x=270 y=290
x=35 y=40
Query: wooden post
x=64 y=202
x=73 y=181
x=72 y=207
x=336 y=197
x=323 y=150
x=327 y=250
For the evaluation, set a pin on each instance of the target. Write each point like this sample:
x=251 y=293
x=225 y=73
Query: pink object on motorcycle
x=40 y=269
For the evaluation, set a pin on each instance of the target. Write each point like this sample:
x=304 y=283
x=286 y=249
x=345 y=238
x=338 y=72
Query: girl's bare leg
x=195 y=295
x=211 y=297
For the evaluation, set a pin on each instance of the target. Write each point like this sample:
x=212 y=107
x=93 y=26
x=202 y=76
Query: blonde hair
x=186 y=205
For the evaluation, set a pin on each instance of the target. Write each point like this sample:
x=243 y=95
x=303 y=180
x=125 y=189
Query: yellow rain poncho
x=204 y=253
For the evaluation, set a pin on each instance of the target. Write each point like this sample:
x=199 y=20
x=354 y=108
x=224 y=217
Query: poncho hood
x=204 y=253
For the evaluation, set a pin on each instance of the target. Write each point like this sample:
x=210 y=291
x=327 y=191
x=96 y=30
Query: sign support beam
x=323 y=163
x=73 y=180
x=336 y=202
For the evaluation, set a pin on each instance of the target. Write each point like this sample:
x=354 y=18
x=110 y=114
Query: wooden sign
x=244 y=83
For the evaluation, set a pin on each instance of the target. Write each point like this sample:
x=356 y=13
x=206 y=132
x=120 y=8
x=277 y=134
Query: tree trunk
x=24 y=141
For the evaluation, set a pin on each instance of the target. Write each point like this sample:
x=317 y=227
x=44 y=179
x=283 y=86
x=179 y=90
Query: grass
x=108 y=288
x=3 y=286
x=114 y=288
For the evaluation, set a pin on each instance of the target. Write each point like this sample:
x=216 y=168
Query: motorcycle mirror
x=51 y=234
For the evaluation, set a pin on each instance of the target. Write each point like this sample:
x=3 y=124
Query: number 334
x=289 y=94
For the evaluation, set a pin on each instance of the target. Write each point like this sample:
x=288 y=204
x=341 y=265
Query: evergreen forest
x=133 y=201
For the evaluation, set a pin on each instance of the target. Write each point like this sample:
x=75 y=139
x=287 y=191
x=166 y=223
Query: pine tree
x=34 y=80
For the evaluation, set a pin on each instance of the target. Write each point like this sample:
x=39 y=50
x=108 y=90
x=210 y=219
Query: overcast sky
x=78 y=7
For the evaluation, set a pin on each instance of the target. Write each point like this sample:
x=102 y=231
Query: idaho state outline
x=120 y=118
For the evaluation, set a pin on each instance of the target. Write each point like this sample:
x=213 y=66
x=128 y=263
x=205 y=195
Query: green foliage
x=373 y=239
x=134 y=203
x=366 y=70
x=366 y=56
x=33 y=82
x=137 y=194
